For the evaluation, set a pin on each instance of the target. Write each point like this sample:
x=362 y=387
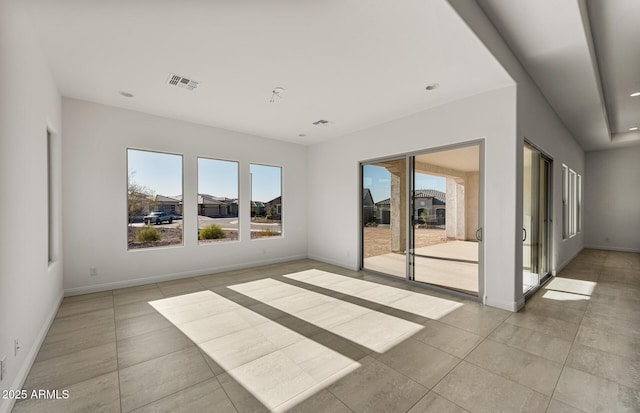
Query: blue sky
x=378 y=180
x=218 y=178
x=266 y=182
x=162 y=174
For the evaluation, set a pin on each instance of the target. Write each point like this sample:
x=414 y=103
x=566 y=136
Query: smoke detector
x=182 y=82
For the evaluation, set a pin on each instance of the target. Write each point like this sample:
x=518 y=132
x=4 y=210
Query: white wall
x=30 y=289
x=95 y=215
x=538 y=124
x=334 y=174
x=485 y=115
x=612 y=199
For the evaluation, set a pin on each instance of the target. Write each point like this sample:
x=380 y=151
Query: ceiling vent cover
x=183 y=82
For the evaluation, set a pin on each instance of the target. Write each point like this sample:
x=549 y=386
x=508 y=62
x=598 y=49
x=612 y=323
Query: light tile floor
x=575 y=347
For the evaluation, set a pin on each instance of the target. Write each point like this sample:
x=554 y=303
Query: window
x=579 y=205
x=266 y=201
x=217 y=201
x=50 y=211
x=154 y=199
x=565 y=202
x=571 y=202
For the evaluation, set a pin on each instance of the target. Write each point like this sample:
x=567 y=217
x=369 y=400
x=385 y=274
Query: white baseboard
x=7 y=405
x=513 y=306
x=612 y=248
x=174 y=276
x=333 y=262
x=567 y=261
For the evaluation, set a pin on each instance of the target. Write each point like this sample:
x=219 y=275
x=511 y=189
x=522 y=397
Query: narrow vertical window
x=50 y=202
x=154 y=199
x=217 y=200
x=266 y=201
x=579 y=204
x=572 y=203
x=565 y=202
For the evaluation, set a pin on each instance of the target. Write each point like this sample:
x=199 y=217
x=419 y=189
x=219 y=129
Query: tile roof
x=430 y=193
x=421 y=193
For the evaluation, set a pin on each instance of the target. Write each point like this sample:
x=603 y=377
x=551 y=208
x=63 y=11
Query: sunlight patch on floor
x=278 y=366
x=409 y=301
x=569 y=285
x=562 y=296
x=372 y=329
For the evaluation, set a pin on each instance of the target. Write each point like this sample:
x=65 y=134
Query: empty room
x=319 y=206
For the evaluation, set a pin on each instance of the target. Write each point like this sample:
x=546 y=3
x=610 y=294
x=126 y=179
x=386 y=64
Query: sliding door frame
x=410 y=159
x=550 y=228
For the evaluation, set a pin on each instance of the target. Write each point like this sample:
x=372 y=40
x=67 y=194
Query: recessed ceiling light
x=432 y=86
x=126 y=94
x=634 y=128
x=634 y=94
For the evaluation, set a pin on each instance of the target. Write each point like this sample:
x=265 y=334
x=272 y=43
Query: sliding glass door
x=421 y=217
x=536 y=226
x=445 y=226
x=384 y=203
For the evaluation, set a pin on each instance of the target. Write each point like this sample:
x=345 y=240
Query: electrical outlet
x=93 y=271
x=16 y=346
x=3 y=367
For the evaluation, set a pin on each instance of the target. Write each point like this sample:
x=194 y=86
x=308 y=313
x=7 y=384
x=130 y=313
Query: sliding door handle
x=479 y=234
x=524 y=234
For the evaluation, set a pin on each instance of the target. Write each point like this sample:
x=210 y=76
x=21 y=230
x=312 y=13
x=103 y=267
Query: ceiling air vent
x=321 y=122
x=183 y=82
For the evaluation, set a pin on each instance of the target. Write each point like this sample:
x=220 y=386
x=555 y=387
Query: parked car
x=157 y=217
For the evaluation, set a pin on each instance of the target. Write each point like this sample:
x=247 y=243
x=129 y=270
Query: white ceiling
x=354 y=63
x=584 y=57
x=616 y=34
x=465 y=159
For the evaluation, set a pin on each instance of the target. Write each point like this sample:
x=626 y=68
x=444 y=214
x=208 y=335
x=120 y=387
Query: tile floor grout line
x=171 y=394
x=564 y=364
x=599 y=350
x=508 y=378
x=486 y=337
x=529 y=352
x=115 y=333
x=464 y=359
x=225 y=390
x=215 y=376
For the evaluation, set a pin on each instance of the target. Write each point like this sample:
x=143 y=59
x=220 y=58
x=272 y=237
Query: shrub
x=212 y=231
x=268 y=233
x=148 y=233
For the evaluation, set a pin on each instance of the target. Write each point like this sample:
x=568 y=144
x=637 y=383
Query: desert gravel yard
x=377 y=240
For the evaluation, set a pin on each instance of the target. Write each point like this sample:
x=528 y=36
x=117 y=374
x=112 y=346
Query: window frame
x=198 y=194
x=281 y=195
x=128 y=164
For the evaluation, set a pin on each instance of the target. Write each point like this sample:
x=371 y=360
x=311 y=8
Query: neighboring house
x=383 y=211
x=258 y=208
x=276 y=206
x=165 y=204
x=429 y=200
x=433 y=203
x=368 y=207
x=217 y=207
